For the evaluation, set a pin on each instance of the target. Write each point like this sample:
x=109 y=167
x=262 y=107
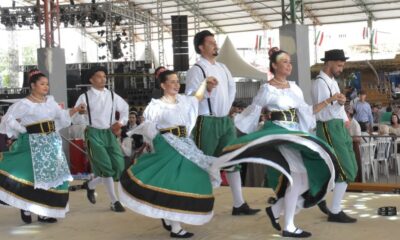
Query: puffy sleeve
x=148 y=128
x=247 y=120
x=192 y=111
x=62 y=118
x=77 y=118
x=305 y=112
x=10 y=122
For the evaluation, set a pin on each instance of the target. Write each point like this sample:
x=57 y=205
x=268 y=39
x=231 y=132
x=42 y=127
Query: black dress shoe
x=26 y=218
x=117 y=207
x=322 y=206
x=341 y=217
x=302 y=234
x=165 y=226
x=47 y=219
x=178 y=235
x=244 y=210
x=90 y=193
x=273 y=219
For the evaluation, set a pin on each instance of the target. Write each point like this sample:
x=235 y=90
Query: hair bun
x=34 y=72
x=272 y=51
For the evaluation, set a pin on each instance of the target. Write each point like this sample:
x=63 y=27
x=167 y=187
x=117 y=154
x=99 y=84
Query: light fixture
x=101 y=33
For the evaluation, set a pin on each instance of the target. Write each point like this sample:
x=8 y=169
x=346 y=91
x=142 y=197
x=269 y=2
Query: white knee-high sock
x=338 y=194
x=109 y=182
x=235 y=182
x=94 y=182
x=291 y=197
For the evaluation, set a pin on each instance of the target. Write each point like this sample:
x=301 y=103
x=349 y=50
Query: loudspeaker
x=180 y=46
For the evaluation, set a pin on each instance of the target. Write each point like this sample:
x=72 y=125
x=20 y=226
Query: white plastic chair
x=367 y=152
x=382 y=155
x=395 y=157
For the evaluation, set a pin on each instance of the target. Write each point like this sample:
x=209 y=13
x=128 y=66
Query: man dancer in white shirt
x=214 y=128
x=105 y=154
x=331 y=128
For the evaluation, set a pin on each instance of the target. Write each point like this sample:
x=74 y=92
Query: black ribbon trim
x=166 y=200
x=268 y=151
x=27 y=192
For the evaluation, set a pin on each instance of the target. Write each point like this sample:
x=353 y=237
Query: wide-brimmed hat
x=334 y=55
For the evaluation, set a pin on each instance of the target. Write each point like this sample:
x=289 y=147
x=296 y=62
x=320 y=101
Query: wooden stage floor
x=86 y=221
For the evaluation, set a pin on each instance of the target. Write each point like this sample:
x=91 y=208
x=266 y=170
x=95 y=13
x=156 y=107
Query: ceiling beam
x=201 y=15
x=278 y=7
x=310 y=14
x=361 y=4
x=153 y=17
x=253 y=14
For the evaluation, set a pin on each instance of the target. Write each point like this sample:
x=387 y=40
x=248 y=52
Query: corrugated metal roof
x=234 y=15
x=228 y=16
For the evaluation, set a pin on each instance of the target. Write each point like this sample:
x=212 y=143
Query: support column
x=51 y=61
x=294 y=40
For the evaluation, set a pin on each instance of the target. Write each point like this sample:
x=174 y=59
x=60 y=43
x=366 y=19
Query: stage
x=87 y=222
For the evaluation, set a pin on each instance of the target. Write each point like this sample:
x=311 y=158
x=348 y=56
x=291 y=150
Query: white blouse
x=276 y=100
x=159 y=115
x=26 y=112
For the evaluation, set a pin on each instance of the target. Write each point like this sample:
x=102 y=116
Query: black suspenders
x=208 y=99
x=330 y=91
x=88 y=107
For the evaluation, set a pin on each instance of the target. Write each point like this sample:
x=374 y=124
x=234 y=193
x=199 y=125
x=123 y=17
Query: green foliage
x=29 y=55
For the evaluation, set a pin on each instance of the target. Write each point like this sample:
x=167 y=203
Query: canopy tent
x=236 y=64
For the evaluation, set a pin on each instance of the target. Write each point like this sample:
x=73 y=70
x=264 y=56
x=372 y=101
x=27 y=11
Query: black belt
x=289 y=115
x=41 y=127
x=179 y=131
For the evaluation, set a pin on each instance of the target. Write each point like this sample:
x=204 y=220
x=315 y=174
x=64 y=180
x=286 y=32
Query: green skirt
x=165 y=184
x=17 y=183
x=262 y=147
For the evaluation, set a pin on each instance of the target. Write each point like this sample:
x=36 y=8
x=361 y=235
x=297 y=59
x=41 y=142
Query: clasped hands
x=341 y=98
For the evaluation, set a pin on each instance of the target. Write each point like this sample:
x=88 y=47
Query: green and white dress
x=174 y=181
x=34 y=173
x=283 y=144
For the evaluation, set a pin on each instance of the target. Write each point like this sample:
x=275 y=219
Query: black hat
x=94 y=70
x=334 y=55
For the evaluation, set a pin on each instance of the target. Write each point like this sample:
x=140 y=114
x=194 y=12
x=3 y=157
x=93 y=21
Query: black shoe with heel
x=90 y=193
x=165 y=226
x=117 y=207
x=322 y=206
x=26 y=218
x=296 y=234
x=47 y=219
x=178 y=235
x=273 y=219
